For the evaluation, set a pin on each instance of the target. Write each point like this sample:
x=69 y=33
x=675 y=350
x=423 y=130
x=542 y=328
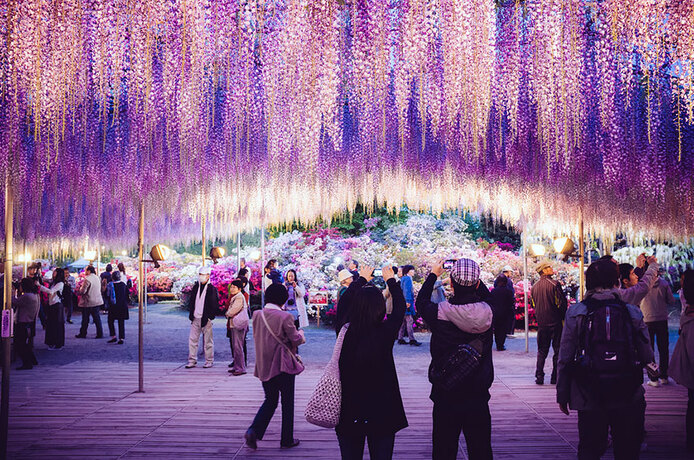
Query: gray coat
x=569 y=390
x=682 y=360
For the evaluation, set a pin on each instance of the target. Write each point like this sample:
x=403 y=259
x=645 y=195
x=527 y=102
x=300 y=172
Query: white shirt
x=200 y=301
x=53 y=297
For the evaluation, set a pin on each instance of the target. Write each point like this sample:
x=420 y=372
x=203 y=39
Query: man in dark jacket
x=465 y=319
x=503 y=304
x=347 y=297
x=550 y=307
x=203 y=305
x=622 y=410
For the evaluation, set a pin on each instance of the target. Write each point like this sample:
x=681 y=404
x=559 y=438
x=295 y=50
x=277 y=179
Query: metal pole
x=98 y=259
x=262 y=265
x=238 y=251
x=203 y=241
x=140 y=297
x=25 y=259
x=525 y=288
x=581 y=253
x=6 y=305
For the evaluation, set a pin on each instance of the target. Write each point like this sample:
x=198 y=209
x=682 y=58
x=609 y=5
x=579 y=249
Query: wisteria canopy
x=250 y=111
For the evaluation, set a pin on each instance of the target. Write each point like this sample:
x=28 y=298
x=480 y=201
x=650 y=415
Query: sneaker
x=510 y=336
x=501 y=348
x=294 y=443
x=120 y=342
x=236 y=373
x=414 y=343
x=191 y=365
x=113 y=340
x=69 y=321
x=231 y=364
x=653 y=383
x=80 y=336
x=540 y=381
x=207 y=365
x=664 y=381
x=402 y=342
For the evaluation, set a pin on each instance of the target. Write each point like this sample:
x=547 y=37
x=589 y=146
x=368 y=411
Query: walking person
x=655 y=313
x=237 y=326
x=91 y=303
x=26 y=310
x=604 y=348
x=106 y=277
x=682 y=362
x=276 y=365
x=463 y=404
x=118 y=309
x=69 y=297
x=407 y=326
x=55 y=315
x=203 y=304
x=295 y=302
x=550 y=307
x=507 y=271
x=372 y=408
x=503 y=303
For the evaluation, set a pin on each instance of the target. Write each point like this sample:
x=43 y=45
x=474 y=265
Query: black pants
x=68 y=310
x=280 y=384
x=658 y=332
x=55 y=325
x=625 y=425
x=500 y=324
x=380 y=448
x=690 y=421
x=94 y=313
x=23 y=344
x=547 y=336
x=475 y=421
x=112 y=327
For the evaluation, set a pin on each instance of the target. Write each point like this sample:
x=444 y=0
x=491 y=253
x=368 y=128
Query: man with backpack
x=604 y=349
x=461 y=370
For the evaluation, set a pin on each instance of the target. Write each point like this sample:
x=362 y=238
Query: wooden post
x=238 y=251
x=525 y=288
x=25 y=259
x=262 y=266
x=7 y=308
x=581 y=254
x=141 y=300
x=203 y=241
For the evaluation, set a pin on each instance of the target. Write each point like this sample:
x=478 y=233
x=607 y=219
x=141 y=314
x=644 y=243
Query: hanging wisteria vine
x=252 y=111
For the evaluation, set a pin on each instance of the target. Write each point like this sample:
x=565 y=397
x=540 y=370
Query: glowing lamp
x=216 y=253
x=158 y=253
x=537 y=250
x=255 y=255
x=89 y=255
x=564 y=246
x=26 y=257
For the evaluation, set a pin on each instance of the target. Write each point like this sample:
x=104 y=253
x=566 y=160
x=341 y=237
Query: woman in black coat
x=372 y=407
x=503 y=303
x=118 y=311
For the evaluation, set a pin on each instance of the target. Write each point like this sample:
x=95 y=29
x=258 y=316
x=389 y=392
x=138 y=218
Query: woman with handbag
x=371 y=405
x=276 y=365
x=117 y=292
x=55 y=314
x=295 y=303
x=237 y=326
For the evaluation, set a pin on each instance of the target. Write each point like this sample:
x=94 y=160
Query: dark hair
x=368 y=309
x=238 y=283
x=243 y=272
x=90 y=269
x=116 y=276
x=296 y=278
x=625 y=272
x=59 y=276
x=603 y=273
x=243 y=280
x=27 y=285
x=109 y=268
x=268 y=265
x=460 y=290
x=395 y=269
x=276 y=293
x=688 y=286
x=501 y=281
x=121 y=267
x=356 y=263
x=406 y=269
x=606 y=257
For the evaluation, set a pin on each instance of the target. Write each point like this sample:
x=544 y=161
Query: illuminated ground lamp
x=216 y=253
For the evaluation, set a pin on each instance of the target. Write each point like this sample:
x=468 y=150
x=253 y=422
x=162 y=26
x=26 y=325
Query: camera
x=447 y=265
x=377 y=272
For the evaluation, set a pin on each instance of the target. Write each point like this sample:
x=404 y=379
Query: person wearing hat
x=203 y=304
x=464 y=319
x=550 y=306
x=344 y=295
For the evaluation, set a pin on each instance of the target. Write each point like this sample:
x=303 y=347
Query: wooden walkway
x=88 y=409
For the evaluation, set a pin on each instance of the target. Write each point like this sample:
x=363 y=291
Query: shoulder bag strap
x=262 y=313
x=338 y=344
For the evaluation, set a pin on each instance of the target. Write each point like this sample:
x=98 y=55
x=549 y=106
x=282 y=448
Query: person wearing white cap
x=203 y=305
x=461 y=370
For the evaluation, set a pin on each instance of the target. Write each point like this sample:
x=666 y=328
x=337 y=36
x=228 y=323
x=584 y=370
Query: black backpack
x=607 y=360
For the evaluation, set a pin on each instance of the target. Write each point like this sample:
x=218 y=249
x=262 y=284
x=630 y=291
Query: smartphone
x=447 y=265
x=377 y=272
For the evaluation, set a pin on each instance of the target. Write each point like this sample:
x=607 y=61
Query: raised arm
x=394 y=320
x=425 y=307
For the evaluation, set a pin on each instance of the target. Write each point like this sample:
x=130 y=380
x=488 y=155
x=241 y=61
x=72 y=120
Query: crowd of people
x=601 y=345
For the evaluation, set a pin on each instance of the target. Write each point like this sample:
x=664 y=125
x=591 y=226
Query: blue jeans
x=94 y=313
x=380 y=448
x=279 y=384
